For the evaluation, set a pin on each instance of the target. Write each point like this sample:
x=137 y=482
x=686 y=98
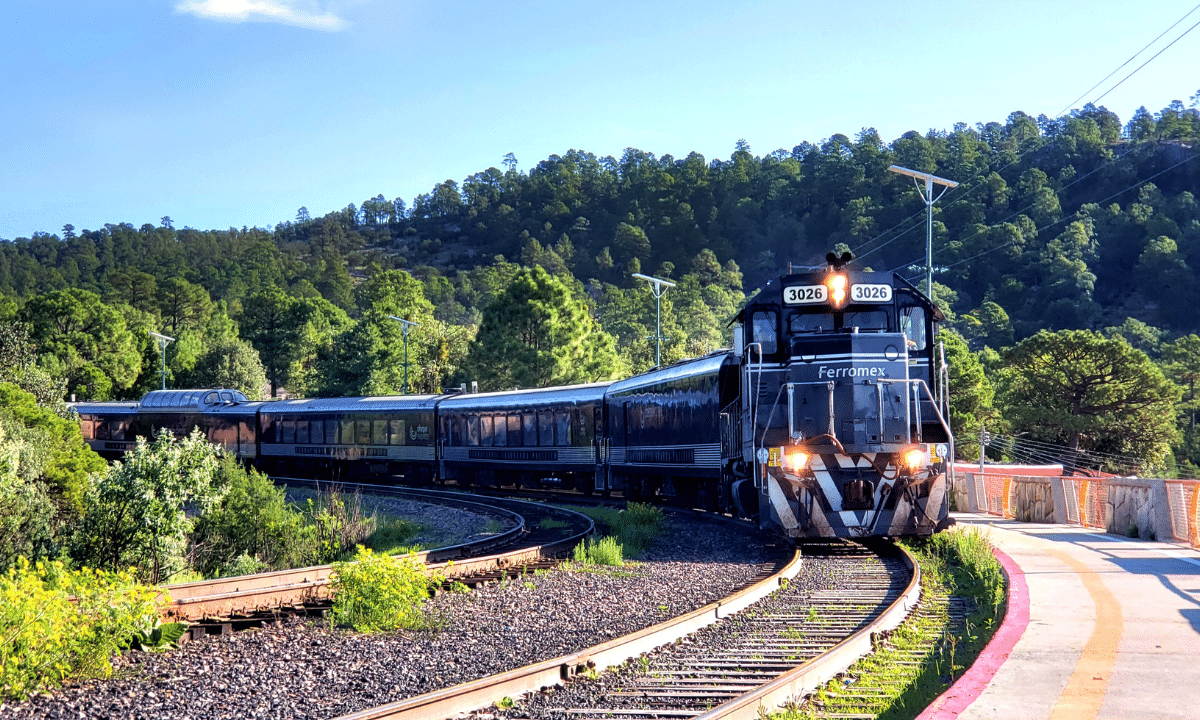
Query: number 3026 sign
x=805 y=294
x=819 y=294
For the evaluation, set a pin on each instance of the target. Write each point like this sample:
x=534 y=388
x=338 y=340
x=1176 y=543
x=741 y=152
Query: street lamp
x=163 y=341
x=407 y=324
x=927 y=196
x=658 y=286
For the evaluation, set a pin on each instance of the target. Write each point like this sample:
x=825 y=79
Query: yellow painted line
x=1085 y=690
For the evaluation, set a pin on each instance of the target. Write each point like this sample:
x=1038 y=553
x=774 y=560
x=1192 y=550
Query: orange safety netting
x=1087 y=499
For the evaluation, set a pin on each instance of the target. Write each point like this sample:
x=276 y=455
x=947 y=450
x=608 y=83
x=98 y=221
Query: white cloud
x=281 y=11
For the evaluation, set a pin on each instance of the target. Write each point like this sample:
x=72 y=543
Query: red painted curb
x=962 y=693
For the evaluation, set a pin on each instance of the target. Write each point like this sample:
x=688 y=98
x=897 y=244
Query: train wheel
x=424 y=475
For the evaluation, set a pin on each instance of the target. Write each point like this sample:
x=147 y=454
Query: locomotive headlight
x=914 y=459
x=797 y=460
x=837 y=286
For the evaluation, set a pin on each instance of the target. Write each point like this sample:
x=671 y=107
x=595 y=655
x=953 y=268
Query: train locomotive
x=826 y=419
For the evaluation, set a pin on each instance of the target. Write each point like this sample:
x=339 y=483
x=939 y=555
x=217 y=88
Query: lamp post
x=658 y=286
x=163 y=341
x=407 y=324
x=927 y=196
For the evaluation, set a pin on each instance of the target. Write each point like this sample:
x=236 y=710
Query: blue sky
x=225 y=113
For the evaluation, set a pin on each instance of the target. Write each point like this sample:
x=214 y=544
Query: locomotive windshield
x=811 y=322
x=864 y=320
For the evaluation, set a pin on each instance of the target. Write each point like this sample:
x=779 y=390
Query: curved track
x=738 y=682
x=227 y=602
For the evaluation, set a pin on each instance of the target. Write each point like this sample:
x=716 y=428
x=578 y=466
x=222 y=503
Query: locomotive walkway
x=1098 y=627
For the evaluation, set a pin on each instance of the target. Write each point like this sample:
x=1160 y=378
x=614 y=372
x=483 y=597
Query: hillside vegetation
x=521 y=278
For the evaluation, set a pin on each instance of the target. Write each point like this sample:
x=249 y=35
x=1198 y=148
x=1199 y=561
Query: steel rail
x=477 y=694
x=247 y=594
x=808 y=677
x=471 y=696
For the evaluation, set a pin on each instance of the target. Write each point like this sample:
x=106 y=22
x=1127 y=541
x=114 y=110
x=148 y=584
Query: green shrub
x=254 y=521
x=243 y=565
x=339 y=524
x=135 y=511
x=67 y=460
x=380 y=592
x=45 y=638
x=392 y=537
x=605 y=551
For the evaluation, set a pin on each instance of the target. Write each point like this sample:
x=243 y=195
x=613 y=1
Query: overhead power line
x=967 y=187
x=1131 y=59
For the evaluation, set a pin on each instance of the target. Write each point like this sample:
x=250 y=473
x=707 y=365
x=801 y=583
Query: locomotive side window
x=912 y=324
x=765 y=330
x=810 y=322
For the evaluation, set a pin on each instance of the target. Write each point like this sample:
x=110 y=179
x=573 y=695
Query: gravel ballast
x=304 y=669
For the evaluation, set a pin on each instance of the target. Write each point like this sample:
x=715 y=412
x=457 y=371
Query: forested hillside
x=1081 y=222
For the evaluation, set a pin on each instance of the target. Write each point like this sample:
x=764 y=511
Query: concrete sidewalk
x=1113 y=628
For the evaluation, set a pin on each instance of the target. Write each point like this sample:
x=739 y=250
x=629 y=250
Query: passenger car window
x=562 y=428
x=529 y=428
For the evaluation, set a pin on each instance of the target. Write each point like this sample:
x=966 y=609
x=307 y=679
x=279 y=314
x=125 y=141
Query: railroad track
x=758 y=649
x=538 y=536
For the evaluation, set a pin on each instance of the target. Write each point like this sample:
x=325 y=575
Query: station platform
x=1098 y=626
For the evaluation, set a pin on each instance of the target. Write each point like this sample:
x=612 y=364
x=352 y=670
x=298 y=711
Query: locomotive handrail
x=752 y=392
x=791 y=415
x=916 y=383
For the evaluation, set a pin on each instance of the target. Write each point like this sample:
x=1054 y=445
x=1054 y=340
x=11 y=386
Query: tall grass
x=633 y=528
x=605 y=551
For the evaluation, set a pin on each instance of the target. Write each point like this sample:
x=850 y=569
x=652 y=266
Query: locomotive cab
x=842 y=422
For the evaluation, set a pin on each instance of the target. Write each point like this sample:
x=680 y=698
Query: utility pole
x=163 y=341
x=407 y=324
x=927 y=196
x=658 y=286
